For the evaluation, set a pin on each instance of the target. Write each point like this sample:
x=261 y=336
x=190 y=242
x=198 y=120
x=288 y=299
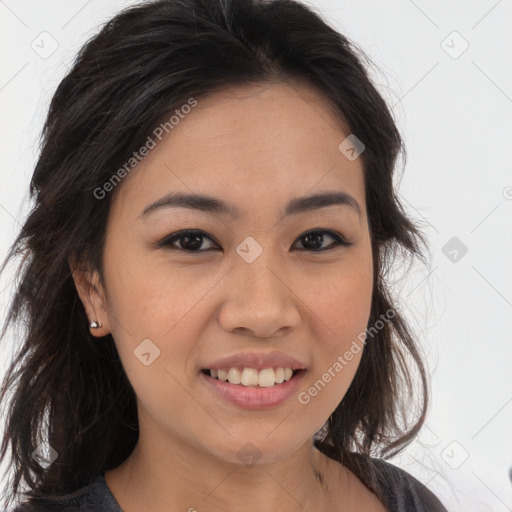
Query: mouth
x=244 y=389
x=253 y=378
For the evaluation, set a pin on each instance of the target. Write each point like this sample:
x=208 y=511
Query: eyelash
x=169 y=240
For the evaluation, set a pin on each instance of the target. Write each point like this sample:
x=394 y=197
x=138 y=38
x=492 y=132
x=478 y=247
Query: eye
x=313 y=240
x=191 y=240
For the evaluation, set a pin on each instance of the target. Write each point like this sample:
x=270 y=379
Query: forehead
x=267 y=108
x=275 y=140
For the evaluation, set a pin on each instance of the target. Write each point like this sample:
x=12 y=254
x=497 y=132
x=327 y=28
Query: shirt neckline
x=101 y=483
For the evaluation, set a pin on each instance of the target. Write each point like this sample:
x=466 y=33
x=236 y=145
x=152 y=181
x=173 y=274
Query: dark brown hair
x=146 y=62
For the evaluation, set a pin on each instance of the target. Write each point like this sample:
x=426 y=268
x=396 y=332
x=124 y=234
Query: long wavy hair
x=63 y=386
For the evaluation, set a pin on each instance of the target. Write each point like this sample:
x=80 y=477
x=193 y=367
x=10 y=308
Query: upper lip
x=256 y=360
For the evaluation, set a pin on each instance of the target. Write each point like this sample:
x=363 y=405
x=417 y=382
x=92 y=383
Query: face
x=257 y=281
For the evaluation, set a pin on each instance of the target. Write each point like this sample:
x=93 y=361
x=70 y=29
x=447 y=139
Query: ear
x=92 y=295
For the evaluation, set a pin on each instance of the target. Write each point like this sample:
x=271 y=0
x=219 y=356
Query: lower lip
x=252 y=397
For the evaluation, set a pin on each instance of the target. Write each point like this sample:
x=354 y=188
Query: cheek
x=340 y=308
x=339 y=297
x=343 y=319
x=165 y=305
x=150 y=318
x=149 y=296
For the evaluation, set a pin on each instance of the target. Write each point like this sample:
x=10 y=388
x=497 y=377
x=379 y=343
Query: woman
x=203 y=275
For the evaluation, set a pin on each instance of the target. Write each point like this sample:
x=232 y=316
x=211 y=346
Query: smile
x=244 y=388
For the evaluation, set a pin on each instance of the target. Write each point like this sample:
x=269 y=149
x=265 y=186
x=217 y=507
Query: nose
x=259 y=302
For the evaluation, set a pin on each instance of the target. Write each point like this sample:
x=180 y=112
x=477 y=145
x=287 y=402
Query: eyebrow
x=217 y=206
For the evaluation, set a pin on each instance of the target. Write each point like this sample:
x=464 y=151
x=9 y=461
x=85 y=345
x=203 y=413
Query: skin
x=257 y=147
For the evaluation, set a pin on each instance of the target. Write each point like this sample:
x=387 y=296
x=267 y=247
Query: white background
x=455 y=114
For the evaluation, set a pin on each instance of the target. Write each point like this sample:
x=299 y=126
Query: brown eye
x=192 y=240
x=187 y=241
x=313 y=240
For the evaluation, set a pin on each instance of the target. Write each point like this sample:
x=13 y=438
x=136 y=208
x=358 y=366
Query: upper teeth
x=251 y=377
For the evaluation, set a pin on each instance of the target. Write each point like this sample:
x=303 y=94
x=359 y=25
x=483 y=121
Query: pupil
x=191 y=245
x=315 y=237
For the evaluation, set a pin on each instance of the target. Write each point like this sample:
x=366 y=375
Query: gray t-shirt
x=398 y=490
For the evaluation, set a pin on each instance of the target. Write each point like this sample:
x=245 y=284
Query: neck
x=176 y=476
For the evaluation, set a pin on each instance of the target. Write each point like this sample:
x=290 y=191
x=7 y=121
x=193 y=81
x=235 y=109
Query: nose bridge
x=258 y=273
x=261 y=279
x=258 y=298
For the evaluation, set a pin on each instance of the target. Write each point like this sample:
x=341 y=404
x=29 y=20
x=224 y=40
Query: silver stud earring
x=94 y=325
